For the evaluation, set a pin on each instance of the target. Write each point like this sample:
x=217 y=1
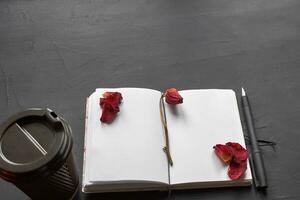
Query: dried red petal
x=173 y=97
x=240 y=154
x=224 y=152
x=108 y=113
x=110 y=106
x=236 y=170
x=113 y=98
x=113 y=103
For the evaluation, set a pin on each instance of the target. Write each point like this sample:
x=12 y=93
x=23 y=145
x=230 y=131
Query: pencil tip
x=243 y=92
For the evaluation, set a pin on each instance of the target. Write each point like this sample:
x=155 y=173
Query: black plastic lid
x=33 y=142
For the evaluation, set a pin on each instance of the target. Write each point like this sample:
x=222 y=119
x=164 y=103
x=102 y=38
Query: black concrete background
x=54 y=53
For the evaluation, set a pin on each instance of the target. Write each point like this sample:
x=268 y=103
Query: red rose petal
x=173 y=97
x=115 y=97
x=236 y=170
x=108 y=113
x=113 y=103
x=240 y=154
x=110 y=106
x=224 y=152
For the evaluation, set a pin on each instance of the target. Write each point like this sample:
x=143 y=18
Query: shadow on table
x=159 y=195
x=125 y=195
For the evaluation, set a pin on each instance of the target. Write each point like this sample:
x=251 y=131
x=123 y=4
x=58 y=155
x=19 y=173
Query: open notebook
x=127 y=154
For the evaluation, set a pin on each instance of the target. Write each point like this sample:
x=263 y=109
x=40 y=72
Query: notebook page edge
x=84 y=170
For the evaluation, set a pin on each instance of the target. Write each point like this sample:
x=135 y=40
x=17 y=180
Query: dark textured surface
x=54 y=53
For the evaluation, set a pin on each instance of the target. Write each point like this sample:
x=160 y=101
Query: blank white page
x=206 y=118
x=130 y=148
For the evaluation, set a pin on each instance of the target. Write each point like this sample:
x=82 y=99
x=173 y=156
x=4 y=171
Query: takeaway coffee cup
x=36 y=155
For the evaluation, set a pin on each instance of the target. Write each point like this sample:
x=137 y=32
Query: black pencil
x=256 y=158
